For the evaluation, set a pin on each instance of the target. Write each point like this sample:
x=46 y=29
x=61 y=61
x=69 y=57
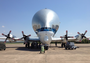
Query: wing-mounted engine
x=65 y=37
x=9 y=37
x=80 y=37
x=25 y=37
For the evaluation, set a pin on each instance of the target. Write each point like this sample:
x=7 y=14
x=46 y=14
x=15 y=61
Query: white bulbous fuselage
x=45 y=24
x=45 y=37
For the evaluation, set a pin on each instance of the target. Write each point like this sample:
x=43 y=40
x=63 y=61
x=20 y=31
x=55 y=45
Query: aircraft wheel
x=28 y=45
x=72 y=48
x=46 y=47
x=32 y=45
x=69 y=48
x=66 y=48
x=62 y=45
x=25 y=45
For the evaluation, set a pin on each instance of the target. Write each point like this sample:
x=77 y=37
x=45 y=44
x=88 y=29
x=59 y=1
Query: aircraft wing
x=30 y=39
x=34 y=39
x=88 y=38
x=2 y=38
x=69 y=39
x=62 y=40
x=56 y=40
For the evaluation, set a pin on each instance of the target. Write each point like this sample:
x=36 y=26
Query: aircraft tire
x=66 y=48
x=62 y=45
x=46 y=47
x=26 y=45
x=74 y=48
x=71 y=48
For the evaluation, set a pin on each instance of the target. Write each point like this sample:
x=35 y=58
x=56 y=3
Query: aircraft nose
x=46 y=39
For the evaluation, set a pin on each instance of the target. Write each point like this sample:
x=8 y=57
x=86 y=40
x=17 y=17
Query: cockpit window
x=46 y=29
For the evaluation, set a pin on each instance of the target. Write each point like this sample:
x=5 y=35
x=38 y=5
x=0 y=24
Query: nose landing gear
x=46 y=47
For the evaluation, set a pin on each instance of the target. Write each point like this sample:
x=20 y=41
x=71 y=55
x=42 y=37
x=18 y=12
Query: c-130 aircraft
x=45 y=23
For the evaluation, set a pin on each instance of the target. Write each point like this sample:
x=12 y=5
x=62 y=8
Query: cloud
x=3 y=26
x=0 y=34
x=70 y=33
x=4 y=31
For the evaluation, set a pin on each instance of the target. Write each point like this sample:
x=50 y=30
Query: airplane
x=45 y=23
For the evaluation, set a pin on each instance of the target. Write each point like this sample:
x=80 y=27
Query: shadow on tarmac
x=38 y=49
x=27 y=49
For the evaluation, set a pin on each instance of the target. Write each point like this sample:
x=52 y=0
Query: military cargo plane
x=45 y=23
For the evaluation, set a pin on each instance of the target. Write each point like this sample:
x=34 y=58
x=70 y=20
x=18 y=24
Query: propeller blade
x=4 y=35
x=80 y=41
x=87 y=38
x=22 y=38
x=25 y=37
x=70 y=37
x=22 y=33
x=84 y=36
x=66 y=32
x=78 y=33
x=66 y=36
x=25 y=42
x=61 y=37
x=9 y=32
x=29 y=35
x=5 y=40
x=85 y=32
x=7 y=36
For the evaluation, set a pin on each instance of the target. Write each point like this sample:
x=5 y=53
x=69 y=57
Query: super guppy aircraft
x=45 y=23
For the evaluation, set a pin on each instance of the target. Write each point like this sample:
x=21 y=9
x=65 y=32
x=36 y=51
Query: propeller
x=83 y=35
x=66 y=36
x=7 y=36
x=25 y=37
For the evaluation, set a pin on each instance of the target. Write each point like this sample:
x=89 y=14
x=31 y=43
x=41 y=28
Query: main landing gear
x=27 y=45
x=35 y=45
x=62 y=45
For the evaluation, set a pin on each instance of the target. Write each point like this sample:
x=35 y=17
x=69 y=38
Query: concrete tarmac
x=17 y=53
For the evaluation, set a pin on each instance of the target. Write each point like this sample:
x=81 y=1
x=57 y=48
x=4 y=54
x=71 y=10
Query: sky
x=16 y=15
